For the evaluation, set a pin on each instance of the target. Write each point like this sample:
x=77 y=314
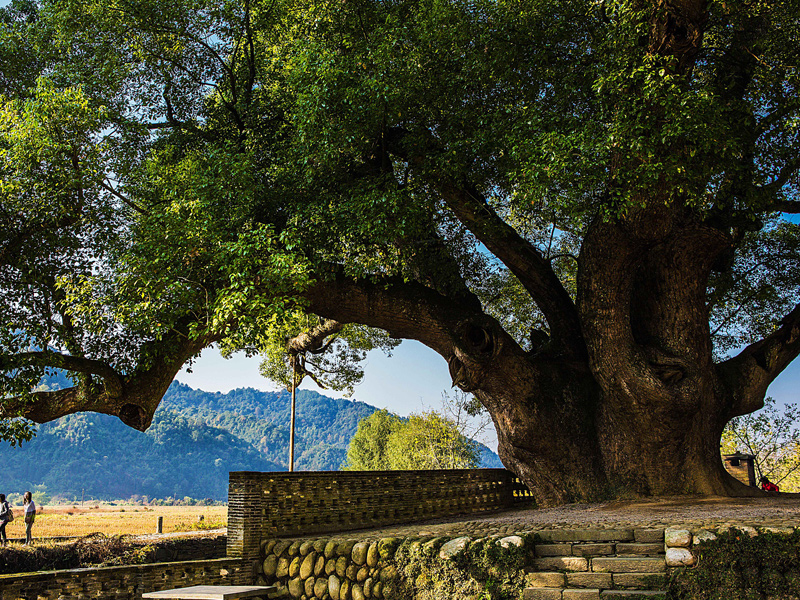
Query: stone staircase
x=598 y=564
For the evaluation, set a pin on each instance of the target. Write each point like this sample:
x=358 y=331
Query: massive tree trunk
x=631 y=400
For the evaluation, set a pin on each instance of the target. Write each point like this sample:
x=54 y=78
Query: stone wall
x=271 y=505
x=556 y=564
x=330 y=568
x=199 y=547
x=123 y=583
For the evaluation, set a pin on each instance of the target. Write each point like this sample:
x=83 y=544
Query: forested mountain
x=196 y=438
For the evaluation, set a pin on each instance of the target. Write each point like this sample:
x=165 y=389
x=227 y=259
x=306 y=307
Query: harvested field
x=109 y=519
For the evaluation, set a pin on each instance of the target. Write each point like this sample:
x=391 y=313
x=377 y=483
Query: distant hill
x=196 y=438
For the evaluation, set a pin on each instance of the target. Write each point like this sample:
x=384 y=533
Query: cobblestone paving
x=693 y=513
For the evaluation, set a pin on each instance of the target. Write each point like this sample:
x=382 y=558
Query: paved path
x=694 y=513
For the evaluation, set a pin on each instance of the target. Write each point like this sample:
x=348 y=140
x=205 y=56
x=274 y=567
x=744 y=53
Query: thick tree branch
x=407 y=310
x=111 y=379
x=134 y=403
x=781 y=179
x=749 y=373
x=534 y=272
x=313 y=339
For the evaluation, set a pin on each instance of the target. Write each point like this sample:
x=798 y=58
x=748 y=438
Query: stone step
x=538 y=579
x=561 y=563
x=542 y=593
x=639 y=549
x=638 y=581
x=590 y=580
x=560 y=594
x=578 y=549
x=603 y=581
x=627 y=565
x=590 y=594
x=586 y=535
x=544 y=550
x=632 y=595
x=588 y=549
x=641 y=536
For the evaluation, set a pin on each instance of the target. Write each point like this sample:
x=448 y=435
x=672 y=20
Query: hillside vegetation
x=196 y=438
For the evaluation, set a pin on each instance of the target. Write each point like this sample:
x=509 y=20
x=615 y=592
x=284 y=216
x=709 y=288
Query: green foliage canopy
x=478 y=175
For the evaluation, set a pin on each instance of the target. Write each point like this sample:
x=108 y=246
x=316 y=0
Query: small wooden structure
x=741 y=466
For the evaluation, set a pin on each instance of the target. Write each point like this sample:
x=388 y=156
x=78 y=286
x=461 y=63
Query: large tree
x=579 y=205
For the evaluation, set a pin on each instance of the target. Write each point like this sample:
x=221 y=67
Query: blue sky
x=412 y=380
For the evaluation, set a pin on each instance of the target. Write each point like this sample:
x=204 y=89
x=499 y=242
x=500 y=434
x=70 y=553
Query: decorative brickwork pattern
x=269 y=505
x=123 y=583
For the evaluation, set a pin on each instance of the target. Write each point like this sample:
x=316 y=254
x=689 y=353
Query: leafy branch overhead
x=582 y=207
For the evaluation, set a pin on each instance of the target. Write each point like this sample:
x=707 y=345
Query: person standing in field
x=5 y=517
x=30 y=516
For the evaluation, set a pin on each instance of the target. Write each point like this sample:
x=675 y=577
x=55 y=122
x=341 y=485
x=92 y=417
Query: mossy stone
x=341 y=566
x=282 y=570
x=306 y=547
x=294 y=566
x=309 y=586
x=359 y=553
x=280 y=547
x=321 y=587
x=345 y=547
x=387 y=547
x=270 y=565
x=362 y=574
x=295 y=587
x=319 y=566
x=345 y=589
x=330 y=566
x=307 y=567
x=358 y=592
x=372 y=554
x=267 y=546
x=333 y=587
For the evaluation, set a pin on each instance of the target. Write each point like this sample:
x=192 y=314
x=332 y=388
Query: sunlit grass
x=57 y=521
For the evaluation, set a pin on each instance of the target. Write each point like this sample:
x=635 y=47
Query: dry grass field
x=65 y=520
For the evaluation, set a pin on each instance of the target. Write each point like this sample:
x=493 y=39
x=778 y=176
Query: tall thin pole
x=291 y=426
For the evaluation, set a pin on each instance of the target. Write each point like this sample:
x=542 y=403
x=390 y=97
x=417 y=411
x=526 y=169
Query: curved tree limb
x=407 y=310
x=112 y=380
x=523 y=259
x=534 y=272
x=134 y=402
x=313 y=339
x=749 y=373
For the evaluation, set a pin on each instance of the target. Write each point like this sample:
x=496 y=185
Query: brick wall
x=265 y=505
x=127 y=582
